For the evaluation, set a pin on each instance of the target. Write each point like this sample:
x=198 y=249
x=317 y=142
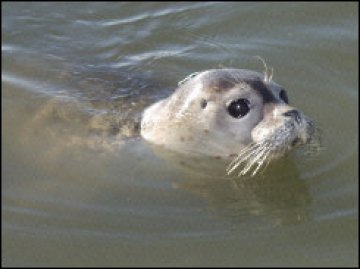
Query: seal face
x=228 y=113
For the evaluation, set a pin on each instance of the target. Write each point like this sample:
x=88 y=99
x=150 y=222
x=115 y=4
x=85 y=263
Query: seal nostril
x=284 y=96
x=293 y=114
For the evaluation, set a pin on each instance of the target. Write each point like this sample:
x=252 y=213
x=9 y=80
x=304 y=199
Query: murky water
x=79 y=188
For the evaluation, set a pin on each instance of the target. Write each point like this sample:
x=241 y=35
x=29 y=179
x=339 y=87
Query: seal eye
x=283 y=96
x=203 y=103
x=238 y=108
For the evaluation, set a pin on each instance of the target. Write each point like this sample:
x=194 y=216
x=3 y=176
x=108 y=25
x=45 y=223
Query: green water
x=75 y=193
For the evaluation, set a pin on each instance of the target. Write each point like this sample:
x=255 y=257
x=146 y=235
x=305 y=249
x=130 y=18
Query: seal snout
x=304 y=127
x=294 y=114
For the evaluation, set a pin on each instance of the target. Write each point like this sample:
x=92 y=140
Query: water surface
x=79 y=189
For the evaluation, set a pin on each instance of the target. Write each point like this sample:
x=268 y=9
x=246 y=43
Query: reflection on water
x=259 y=202
x=80 y=187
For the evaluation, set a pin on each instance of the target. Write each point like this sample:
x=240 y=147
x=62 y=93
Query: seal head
x=228 y=113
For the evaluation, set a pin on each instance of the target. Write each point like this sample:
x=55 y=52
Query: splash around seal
x=229 y=113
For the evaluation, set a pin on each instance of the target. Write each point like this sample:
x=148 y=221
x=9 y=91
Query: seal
x=229 y=113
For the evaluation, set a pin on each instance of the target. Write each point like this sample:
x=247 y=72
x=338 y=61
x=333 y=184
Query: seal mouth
x=295 y=142
x=292 y=134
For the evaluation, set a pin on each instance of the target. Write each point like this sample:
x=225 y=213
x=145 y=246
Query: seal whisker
x=243 y=156
x=251 y=155
x=245 y=150
x=256 y=159
x=259 y=159
x=260 y=164
x=267 y=76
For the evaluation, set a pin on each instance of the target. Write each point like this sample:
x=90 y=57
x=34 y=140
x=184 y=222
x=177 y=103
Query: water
x=79 y=189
